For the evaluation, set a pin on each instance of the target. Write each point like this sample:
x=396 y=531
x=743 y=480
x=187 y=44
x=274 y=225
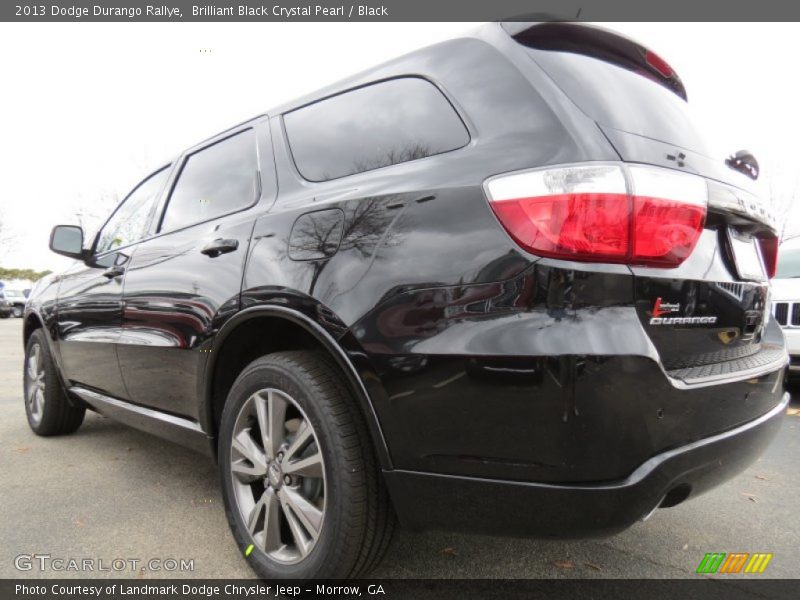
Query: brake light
x=658 y=63
x=603 y=212
x=769 y=254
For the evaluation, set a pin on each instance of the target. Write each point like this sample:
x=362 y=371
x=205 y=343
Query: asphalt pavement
x=110 y=492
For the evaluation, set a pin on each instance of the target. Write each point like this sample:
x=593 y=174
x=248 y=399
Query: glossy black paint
x=89 y=324
x=472 y=361
x=175 y=299
x=576 y=511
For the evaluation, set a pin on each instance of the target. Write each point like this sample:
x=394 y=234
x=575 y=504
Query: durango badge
x=661 y=308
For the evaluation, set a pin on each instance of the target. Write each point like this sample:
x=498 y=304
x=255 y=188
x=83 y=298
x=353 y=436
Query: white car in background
x=16 y=299
x=786 y=301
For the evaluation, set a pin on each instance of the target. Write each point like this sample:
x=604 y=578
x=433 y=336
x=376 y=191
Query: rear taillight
x=769 y=254
x=600 y=212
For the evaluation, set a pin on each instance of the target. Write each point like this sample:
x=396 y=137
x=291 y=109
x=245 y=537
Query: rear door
x=90 y=296
x=184 y=282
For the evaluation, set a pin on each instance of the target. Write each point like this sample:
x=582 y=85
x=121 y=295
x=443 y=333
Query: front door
x=89 y=312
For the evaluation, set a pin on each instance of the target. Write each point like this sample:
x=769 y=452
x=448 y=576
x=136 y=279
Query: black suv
x=495 y=285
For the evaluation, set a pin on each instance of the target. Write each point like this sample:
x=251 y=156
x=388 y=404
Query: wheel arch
x=32 y=322
x=305 y=333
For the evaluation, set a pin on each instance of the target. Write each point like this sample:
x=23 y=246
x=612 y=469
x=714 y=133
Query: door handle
x=114 y=271
x=219 y=246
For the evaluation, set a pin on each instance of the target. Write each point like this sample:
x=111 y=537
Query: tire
x=346 y=521
x=49 y=410
x=18 y=312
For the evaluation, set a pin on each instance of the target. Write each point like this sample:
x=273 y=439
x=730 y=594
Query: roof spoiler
x=600 y=44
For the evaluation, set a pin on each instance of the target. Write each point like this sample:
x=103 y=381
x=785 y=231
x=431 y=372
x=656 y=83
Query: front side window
x=375 y=126
x=129 y=222
x=215 y=181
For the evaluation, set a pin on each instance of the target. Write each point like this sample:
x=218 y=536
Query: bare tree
x=391 y=156
x=91 y=215
x=364 y=226
x=6 y=238
x=783 y=181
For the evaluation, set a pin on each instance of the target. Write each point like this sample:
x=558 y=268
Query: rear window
x=371 y=127
x=615 y=81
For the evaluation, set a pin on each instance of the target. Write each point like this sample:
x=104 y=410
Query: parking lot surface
x=109 y=492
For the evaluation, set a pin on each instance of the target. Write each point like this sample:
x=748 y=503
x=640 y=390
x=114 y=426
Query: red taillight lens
x=586 y=212
x=576 y=226
x=665 y=232
x=769 y=254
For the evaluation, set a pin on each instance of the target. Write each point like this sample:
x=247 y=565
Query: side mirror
x=67 y=240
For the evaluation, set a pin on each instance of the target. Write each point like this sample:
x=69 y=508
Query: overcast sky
x=88 y=109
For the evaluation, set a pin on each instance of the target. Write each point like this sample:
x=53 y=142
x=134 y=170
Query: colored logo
x=661 y=308
x=735 y=562
x=664 y=308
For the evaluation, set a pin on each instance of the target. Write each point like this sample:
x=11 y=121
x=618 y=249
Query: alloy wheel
x=34 y=389
x=278 y=476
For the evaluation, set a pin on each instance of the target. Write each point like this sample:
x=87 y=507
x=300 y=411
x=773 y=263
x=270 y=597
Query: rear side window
x=214 y=181
x=129 y=222
x=371 y=127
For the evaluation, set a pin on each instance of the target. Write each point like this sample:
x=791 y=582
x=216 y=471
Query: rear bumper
x=430 y=501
